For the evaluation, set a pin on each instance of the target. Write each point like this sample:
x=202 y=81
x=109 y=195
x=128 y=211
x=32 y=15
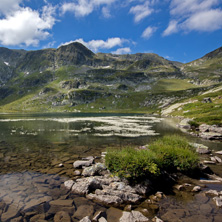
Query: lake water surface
x=33 y=145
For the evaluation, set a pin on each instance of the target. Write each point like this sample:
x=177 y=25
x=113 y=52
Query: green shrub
x=174 y=153
x=131 y=163
x=171 y=153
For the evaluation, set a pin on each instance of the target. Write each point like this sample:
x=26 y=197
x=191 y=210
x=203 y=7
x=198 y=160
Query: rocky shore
x=93 y=194
x=208 y=132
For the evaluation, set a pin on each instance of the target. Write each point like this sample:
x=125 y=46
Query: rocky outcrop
x=210 y=132
x=99 y=185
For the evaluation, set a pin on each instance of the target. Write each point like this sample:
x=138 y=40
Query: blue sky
x=180 y=30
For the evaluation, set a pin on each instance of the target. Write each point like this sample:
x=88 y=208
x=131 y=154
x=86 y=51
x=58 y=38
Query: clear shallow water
x=35 y=144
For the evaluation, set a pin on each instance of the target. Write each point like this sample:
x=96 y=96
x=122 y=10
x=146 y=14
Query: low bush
x=171 y=153
x=174 y=153
x=131 y=163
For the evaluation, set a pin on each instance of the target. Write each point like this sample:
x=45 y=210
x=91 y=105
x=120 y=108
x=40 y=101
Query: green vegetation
x=170 y=153
x=204 y=112
x=174 y=153
x=165 y=85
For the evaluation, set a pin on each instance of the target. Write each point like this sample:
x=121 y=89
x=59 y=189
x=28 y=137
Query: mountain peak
x=76 y=47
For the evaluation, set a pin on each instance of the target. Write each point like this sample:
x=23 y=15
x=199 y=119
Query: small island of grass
x=170 y=153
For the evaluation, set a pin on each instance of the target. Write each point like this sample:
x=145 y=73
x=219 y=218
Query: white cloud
x=106 y=12
x=204 y=21
x=26 y=26
x=95 y=45
x=194 y=15
x=148 y=32
x=185 y=7
x=141 y=11
x=7 y=6
x=122 y=51
x=172 y=28
x=83 y=8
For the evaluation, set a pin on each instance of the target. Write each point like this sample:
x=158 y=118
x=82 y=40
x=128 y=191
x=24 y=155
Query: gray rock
x=213 y=159
x=106 y=199
x=143 y=188
x=88 y=158
x=218 y=159
x=127 y=195
x=212 y=193
x=219 y=152
x=208 y=162
x=211 y=136
x=68 y=184
x=196 y=189
x=83 y=163
x=134 y=216
x=77 y=173
x=127 y=217
x=98 y=215
x=218 y=201
x=85 y=219
x=200 y=148
x=102 y=219
x=94 y=170
x=84 y=185
x=204 y=128
x=139 y=217
x=156 y=219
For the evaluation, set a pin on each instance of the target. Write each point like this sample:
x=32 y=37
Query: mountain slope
x=206 y=70
x=73 y=78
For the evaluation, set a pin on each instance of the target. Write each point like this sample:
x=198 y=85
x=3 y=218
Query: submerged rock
x=62 y=216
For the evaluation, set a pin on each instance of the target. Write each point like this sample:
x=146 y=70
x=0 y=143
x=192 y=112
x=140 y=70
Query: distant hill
x=72 y=78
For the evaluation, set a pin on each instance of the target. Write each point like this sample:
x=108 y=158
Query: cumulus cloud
x=194 y=15
x=148 y=32
x=7 y=6
x=96 y=45
x=82 y=8
x=25 y=26
x=141 y=11
x=122 y=51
